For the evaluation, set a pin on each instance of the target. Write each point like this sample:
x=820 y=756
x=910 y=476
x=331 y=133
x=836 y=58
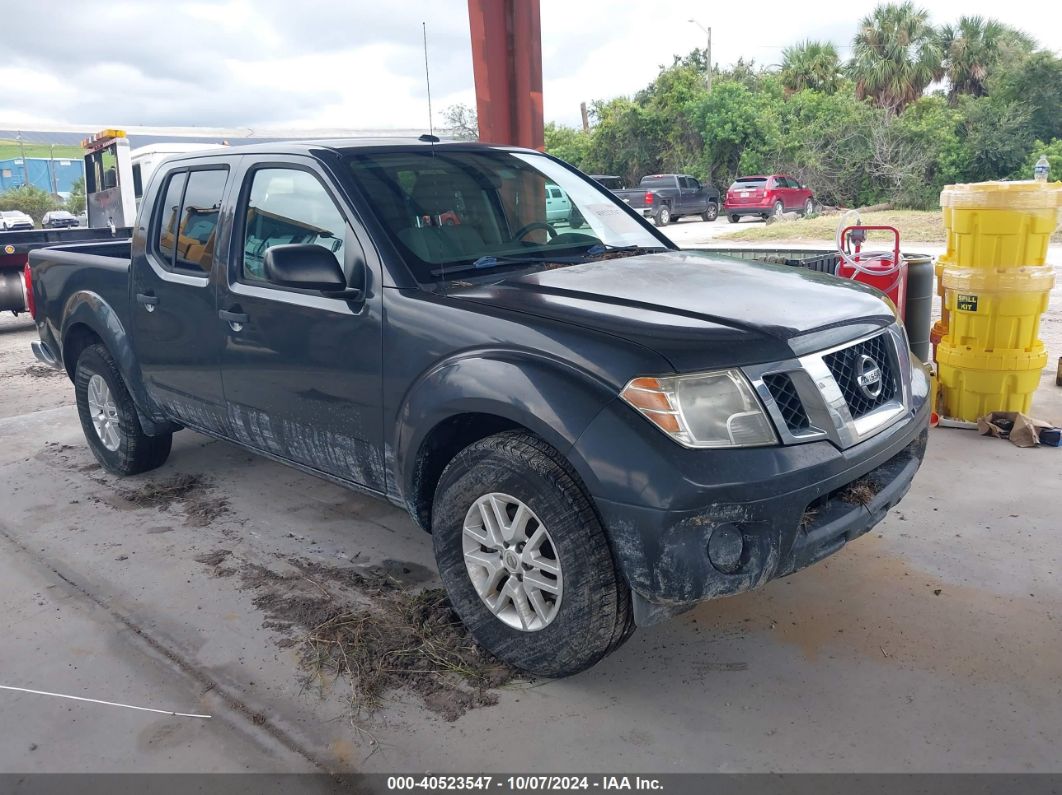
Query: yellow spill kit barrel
x=974 y=383
x=999 y=224
x=991 y=309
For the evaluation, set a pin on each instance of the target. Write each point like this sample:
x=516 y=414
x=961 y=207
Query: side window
x=169 y=212
x=683 y=182
x=199 y=219
x=694 y=184
x=288 y=206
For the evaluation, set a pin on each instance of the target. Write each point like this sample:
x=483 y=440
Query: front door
x=175 y=333
x=301 y=371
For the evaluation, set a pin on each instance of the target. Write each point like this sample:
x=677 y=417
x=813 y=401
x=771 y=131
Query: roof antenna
x=430 y=137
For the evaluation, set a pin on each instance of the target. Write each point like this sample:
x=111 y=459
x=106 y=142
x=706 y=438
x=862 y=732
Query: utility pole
x=586 y=117
x=708 y=53
x=25 y=166
x=51 y=169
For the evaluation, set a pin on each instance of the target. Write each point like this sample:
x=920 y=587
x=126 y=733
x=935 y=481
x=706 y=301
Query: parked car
x=10 y=220
x=58 y=219
x=665 y=198
x=609 y=181
x=599 y=430
x=560 y=208
x=766 y=196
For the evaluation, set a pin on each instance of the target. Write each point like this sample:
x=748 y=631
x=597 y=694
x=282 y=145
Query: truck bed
x=101 y=269
x=15 y=247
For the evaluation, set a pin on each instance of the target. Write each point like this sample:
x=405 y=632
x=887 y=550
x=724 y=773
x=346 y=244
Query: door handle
x=148 y=301
x=236 y=320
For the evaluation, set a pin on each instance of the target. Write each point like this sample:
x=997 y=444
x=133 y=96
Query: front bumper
x=772 y=510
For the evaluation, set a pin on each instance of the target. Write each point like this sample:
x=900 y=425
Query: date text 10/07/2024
x=603 y=783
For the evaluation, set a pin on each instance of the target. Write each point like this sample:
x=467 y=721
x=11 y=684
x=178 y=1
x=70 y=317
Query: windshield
x=455 y=211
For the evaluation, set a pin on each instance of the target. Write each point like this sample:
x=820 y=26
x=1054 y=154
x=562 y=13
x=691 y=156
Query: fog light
x=725 y=548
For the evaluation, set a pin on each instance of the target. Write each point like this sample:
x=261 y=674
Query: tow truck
x=111 y=202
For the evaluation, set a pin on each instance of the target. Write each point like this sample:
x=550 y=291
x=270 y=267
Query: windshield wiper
x=598 y=249
x=490 y=261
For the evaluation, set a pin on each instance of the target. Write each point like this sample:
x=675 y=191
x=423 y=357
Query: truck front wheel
x=109 y=419
x=525 y=560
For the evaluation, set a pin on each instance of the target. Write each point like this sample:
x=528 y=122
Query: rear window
x=748 y=183
x=658 y=182
x=189 y=218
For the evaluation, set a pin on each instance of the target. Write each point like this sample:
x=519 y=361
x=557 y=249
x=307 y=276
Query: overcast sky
x=358 y=64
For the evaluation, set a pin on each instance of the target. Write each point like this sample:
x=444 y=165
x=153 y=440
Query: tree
x=970 y=51
x=811 y=64
x=567 y=143
x=462 y=122
x=739 y=129
x=895 y=55
x=996 y=137
x=34 y=202
x=76 y=202
x=627 y=140
x=1036 y=83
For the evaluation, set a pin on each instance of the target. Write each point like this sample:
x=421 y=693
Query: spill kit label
x=966 y=303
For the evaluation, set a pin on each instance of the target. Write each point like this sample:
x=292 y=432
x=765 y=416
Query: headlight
x=706 y=410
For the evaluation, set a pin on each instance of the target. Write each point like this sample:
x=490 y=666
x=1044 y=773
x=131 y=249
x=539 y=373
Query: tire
x=592 y=616
x=809 y=208
x=778 y=209
x=663 y=217
x=711 y=213
x=733 y=218
x=128 y=450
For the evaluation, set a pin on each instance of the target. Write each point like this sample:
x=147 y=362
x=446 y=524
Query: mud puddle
x=374 y=629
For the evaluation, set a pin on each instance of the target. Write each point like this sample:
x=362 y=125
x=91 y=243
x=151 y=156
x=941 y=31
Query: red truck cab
x=764 y=196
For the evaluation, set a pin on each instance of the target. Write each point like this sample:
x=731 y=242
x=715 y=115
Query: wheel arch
x=459 y=403
x=89 y=320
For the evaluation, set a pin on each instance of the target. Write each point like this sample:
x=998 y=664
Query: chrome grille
x=860 y=362
x=789 y=404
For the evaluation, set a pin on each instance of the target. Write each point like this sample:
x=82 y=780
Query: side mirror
x=304 y=266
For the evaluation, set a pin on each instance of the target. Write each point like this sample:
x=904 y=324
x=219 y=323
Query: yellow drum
x=999 y=224
x=992 y=309
x=974 y=383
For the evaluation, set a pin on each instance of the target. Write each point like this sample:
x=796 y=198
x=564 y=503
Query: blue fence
x=53 y=175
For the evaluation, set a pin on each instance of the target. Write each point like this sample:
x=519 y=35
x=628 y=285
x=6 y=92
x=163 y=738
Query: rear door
x=792 y=193
x=302 y=372
x=172 y=279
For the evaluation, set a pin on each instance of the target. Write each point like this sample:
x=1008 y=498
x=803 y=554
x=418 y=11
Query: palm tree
x=895 y=55
x=811 y=64
x=970 y=51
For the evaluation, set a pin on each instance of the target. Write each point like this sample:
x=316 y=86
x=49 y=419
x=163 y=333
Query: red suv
x=764 y=196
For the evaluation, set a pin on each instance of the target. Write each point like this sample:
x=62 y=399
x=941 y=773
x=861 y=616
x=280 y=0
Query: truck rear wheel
x=525 y=560
x=109 y=419
x=663 y=216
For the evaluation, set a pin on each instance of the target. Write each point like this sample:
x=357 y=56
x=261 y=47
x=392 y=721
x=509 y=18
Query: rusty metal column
x=507 y=63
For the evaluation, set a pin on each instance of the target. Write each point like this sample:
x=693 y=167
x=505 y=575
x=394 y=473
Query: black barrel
x=921 y=289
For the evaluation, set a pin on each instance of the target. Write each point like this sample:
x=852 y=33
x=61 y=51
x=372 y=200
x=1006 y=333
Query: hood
x=697 y=310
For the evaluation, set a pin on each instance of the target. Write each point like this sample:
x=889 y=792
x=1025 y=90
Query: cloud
x=312 y=63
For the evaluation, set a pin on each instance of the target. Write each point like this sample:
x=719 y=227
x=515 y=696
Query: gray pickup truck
x=599 y=430
x=665 y=198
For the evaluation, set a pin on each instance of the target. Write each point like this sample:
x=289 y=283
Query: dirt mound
x=189 y=492
x=371 y=626
x=43 y=371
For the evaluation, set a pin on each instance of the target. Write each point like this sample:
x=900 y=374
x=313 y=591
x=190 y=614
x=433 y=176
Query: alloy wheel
x=512 y=562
